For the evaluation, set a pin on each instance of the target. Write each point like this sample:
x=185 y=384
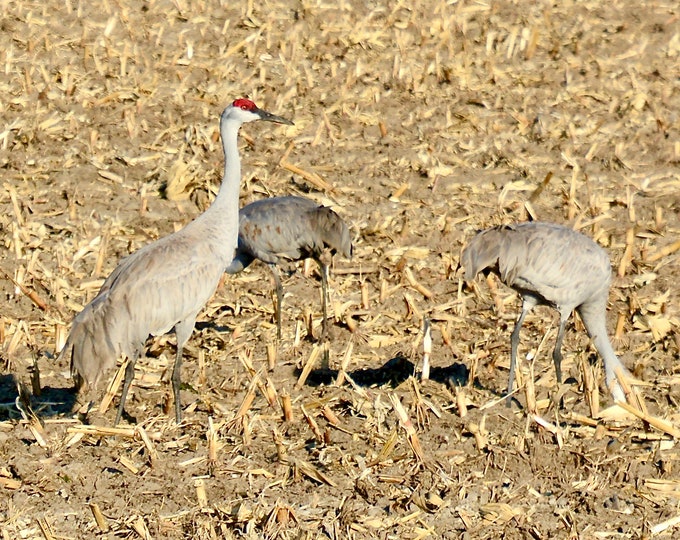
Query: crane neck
x=219 y=223
x=228 y=193
x=593 y=317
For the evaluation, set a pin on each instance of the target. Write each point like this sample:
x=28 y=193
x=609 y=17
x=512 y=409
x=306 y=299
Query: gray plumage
x=164 y=285
x=292 y=228
x=549 y=264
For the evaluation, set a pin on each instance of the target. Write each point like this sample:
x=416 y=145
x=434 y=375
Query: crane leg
x=557 y=351
x=279 y=299
x=324 y=299
x=183 y=330
x=129 y=375
x=514 y=343
x=176 y=382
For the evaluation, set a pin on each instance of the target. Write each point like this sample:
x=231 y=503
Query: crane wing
x=278 y=227
x=556 y=263
x=159 y=285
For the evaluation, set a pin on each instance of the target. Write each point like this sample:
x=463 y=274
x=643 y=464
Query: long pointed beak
x=269 y=117
x=461 y=270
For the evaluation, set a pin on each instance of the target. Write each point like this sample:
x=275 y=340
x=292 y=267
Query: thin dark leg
x=514 y=343
x=279 y=299
x=324 y=300
x=557 y=351
x=129 y=375
x=176 y=381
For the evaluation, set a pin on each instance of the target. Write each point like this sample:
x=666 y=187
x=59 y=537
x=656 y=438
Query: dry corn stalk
x=201 y=368
x=281 y=452
x=212 y=437
x=461 y=402
x=620 y=322
x=46 y=529
x=663 y=252
x=498 y=512
x=344 y=364
x=387 y=449
x=128 y=464
x=628 y=252
x=311 y=177
x=539 y=189
x=330 y=416
x=102 y=524
x=573 y=203
x=351 y=323
x=406 y=423
x=246 y=430
x=245 y=403
x=658 y=423
x=271 y=355
x=112 y=388
x=632 y=395
x=383 y=291
x=150 y=448
x=427 y=348
x=399 y=191
x=365 y=304
x=590 y=388
x=422 y=405
x=33 y=422
x=479 y=433
x=9 y=483
x=29 y=293
x=664 y=525
x=201 y=495
x=103 y=431
x=269 y=390
x=287 y=407
x=413 y=282
x=247 y=362
x=552 y=428
x=313 y=425
x=139 y=525
x=307 y=369
x=313 y=472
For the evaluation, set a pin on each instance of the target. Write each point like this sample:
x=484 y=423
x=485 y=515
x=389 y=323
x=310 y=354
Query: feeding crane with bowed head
x=292 y=228
x=164 y=285
x=553 y=265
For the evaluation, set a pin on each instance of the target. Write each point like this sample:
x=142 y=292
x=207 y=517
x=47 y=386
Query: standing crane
x=164 y=285
x=292 y=228
x=553 y=265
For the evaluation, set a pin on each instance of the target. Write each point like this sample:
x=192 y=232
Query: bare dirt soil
x=420 y=123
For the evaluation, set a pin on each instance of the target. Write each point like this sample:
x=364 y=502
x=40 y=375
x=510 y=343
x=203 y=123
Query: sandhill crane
x=292 y=228
x=164 y=285
x=549 y=264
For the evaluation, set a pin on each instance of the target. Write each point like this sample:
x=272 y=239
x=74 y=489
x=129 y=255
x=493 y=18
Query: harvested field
x=419 y=125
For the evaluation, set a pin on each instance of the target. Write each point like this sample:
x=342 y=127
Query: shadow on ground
x=392 y=373
x=52 y=401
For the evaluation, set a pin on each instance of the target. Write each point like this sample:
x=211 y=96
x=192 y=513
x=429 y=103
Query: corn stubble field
x=419 y=125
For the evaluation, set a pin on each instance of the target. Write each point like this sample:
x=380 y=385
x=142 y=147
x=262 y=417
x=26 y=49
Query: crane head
x=244 y=110
x=334 y=231
x=481 y=253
